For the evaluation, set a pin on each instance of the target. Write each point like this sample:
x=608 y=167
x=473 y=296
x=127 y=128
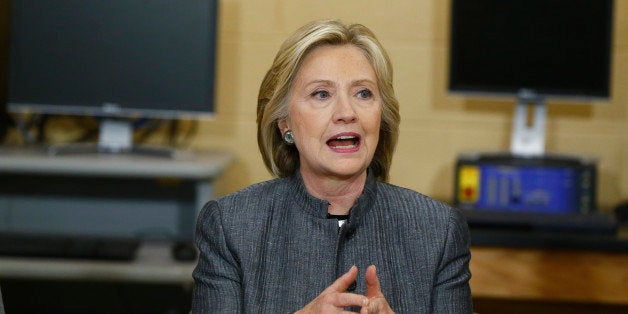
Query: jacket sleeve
x=452 y=293
x=217 y=284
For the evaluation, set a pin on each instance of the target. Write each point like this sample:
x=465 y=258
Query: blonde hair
x=272 y=104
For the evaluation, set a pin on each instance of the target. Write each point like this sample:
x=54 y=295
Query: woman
x=328 y=234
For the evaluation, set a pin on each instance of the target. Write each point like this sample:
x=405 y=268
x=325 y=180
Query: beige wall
x=435 y=126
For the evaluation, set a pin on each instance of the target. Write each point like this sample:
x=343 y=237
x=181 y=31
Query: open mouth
x=344 y=142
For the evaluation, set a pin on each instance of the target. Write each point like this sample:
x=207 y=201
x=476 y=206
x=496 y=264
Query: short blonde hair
x=282 y=159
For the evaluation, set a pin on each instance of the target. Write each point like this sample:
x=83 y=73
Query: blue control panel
x=510 y=184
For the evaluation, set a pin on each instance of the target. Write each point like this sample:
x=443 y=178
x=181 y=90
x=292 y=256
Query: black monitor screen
x=113 y=57
x=552 y=47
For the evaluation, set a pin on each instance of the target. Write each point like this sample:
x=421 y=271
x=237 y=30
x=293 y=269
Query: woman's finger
x=343 y=282
x=373 y=288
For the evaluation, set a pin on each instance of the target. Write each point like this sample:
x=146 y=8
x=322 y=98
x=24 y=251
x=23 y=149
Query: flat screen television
x=531 y=50
x=551 y=47
x=113 y=58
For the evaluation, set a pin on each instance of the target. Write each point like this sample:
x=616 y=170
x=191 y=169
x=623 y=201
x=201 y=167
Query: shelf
x=153 y=264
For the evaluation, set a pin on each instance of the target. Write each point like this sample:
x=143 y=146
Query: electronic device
x=553 y=47
x=549 y=193
x=113 y=59
x=531 y=50
x=68 y=246
x=505 y=183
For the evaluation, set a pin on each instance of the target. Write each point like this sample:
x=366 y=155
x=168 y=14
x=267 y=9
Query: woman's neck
x=340 y=193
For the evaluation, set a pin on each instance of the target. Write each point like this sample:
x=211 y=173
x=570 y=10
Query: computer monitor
x=113 y=59
x=531 y=50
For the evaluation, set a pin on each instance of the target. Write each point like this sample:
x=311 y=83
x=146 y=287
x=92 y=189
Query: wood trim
x=549 y=275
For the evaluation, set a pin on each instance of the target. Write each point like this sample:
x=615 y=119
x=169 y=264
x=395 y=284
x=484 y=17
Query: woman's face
x=334 y=112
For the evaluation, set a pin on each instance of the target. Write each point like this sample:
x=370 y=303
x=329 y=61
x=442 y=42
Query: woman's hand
x=334 y=299
x=377 y=302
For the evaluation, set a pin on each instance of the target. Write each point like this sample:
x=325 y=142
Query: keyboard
x=68 y=246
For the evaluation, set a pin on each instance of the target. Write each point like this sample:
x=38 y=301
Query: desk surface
x=508 y=273
x=549 y=275
x=153 y=264
x=184 y=164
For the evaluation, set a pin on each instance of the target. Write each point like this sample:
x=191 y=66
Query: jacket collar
x=318 y=207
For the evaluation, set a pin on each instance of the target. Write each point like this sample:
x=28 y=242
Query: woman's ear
x=282 y=124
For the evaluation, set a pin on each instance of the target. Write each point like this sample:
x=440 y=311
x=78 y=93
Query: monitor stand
x=114 y=137
x=528 y=128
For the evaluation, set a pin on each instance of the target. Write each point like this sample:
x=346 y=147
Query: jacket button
x=350 y=233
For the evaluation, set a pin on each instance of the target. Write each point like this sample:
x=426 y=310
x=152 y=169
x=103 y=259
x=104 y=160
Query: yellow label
x=468 y=184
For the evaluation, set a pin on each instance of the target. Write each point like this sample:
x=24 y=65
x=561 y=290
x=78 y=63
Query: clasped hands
x=334 y=299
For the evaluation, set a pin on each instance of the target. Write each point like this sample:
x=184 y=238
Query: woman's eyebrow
x=320 y=81
x=357 y=82
x=363 y=81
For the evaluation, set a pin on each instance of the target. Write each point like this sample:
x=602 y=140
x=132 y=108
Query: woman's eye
x=321 y=94
x=365 y=94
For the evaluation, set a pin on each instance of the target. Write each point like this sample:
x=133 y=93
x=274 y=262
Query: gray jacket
x=270 y=248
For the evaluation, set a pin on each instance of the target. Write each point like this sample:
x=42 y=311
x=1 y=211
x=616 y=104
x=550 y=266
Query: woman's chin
x=347 y=171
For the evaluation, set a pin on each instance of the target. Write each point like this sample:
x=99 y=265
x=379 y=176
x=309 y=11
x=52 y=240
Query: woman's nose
x=344 y=111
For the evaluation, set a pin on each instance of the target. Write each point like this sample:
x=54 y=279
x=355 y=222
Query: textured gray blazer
x=270 y=248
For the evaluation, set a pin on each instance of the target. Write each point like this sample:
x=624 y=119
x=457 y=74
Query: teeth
x=344 y=142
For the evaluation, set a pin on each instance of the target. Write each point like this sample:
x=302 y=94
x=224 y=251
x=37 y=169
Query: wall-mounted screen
x=549 y=47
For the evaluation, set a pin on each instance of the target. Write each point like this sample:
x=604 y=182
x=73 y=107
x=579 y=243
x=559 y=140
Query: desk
x=525 y=274
x=549 y=275
x=103 y=194
x=154 y=264
x=106 y=194
x=152 y=283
